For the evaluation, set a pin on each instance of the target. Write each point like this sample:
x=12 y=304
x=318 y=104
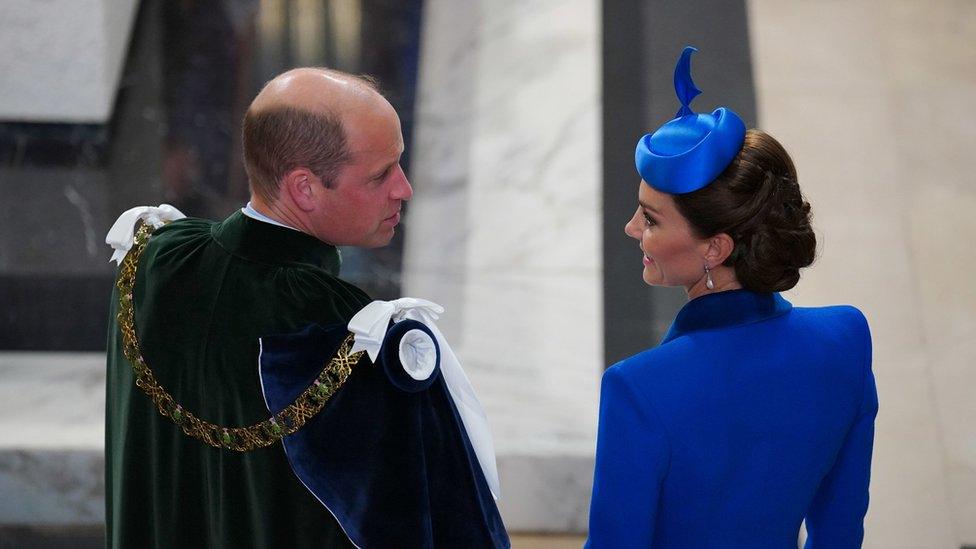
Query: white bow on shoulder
x=369 y=328
x=122 y=233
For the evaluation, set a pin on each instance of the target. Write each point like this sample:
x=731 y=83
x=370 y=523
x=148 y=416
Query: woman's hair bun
x=757 y=201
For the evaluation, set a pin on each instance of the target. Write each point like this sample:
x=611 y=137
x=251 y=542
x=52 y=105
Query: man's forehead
x=376 y=151
x=373 y=131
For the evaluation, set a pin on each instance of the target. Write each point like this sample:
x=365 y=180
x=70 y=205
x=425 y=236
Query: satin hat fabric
x=691 y=150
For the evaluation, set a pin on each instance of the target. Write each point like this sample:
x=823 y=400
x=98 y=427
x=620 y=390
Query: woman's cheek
x=648 y=242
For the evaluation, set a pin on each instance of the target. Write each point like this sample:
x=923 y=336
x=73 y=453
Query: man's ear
x=302 y=186
x=719 y=248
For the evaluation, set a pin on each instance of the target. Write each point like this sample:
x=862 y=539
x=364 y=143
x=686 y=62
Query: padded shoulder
x=660 y=358
x=844 y=323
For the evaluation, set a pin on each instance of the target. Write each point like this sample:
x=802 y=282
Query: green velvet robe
x=204 y=293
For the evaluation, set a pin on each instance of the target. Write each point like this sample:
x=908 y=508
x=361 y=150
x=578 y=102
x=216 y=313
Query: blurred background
x=520 y=119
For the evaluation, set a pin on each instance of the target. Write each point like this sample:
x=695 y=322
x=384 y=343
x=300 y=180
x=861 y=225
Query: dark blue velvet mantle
x=394 y=466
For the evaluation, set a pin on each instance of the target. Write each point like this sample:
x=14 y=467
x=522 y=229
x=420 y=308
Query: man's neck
x=276 y=212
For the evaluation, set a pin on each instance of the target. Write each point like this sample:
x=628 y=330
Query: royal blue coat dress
x=750 y=416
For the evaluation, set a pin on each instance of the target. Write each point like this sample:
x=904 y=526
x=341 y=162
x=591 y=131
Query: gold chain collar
x=240 y=439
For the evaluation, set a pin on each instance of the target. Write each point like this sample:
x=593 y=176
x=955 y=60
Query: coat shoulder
x=847 y=316
x=843 y=324
x=657 y=365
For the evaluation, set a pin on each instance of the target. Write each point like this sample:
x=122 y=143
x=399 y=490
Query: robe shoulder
x=185 y=254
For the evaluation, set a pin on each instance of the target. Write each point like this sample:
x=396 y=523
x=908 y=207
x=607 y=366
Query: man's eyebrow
x=384 y=169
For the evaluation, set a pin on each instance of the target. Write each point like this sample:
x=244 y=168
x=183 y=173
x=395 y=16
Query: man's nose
x=402 y=190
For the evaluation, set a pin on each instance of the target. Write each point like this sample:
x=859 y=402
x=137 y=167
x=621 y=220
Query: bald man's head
x=297 y=121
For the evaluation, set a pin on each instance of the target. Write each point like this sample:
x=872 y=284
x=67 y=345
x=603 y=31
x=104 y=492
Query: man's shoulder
x=186 y=225
x=178 y=233
x=186 y=260
x=321 y=284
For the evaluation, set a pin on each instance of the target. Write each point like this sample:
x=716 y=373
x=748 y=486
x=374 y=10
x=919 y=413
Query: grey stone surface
x=52 y=537
x=68 y=236
x=871 y=99
x=61 y=59
x=546 y=493
x=51 y=438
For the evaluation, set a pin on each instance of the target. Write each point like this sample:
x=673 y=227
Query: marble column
x=872 y=98
x=504 y=231
x=62 y=59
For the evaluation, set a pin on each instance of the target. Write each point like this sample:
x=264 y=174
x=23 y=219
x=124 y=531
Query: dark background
x=192 y=68
x=642 y=40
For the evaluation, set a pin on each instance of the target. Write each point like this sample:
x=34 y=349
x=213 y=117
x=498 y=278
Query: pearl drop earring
x=708 y=278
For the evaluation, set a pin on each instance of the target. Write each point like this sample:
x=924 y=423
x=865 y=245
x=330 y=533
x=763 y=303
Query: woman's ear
x=719 y=248
x=300 y=185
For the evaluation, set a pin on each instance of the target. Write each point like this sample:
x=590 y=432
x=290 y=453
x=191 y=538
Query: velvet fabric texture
x=388 y=456
x=390 y=357
x=204 y=294
x=750 y=416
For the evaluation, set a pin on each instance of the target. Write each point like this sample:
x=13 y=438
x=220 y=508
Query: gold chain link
x=241 y=439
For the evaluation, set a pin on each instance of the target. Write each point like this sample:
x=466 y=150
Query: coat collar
x=725 y=310
x=256 y=240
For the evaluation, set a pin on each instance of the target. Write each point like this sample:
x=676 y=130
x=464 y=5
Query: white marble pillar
x=61 y=60
x=504 y=231
x=873 y=100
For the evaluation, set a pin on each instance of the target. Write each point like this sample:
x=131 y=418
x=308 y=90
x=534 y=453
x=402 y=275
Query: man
x=192 y=457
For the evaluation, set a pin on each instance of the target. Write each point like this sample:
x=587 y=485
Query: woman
x=751 y=415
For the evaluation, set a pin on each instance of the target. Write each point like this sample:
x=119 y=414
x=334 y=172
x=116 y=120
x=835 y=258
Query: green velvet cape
x=204 y=293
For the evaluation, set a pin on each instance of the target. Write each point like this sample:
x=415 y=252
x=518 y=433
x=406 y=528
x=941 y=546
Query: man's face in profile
x=362 y=207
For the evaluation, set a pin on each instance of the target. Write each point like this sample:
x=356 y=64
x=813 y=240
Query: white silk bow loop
x=369 y=328
x=122 y=233
x=370 y=324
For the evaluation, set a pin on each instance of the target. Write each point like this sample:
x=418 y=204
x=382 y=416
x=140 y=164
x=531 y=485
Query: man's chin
x=380 y=240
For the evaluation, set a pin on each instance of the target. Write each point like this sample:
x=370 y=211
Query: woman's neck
x=723 y=279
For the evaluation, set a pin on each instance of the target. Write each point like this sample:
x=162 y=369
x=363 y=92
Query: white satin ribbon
x=369 y=328
x=122 y=233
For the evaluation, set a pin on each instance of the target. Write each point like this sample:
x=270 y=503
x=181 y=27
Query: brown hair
x=757 y=201
x=279 y=139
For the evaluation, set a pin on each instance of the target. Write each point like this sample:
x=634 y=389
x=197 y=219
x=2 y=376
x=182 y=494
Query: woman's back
x=749 y=417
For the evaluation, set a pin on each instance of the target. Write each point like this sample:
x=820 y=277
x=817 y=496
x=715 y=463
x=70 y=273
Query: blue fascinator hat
x=691 y=150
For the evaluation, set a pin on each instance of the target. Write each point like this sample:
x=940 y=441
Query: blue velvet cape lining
x=396 y=468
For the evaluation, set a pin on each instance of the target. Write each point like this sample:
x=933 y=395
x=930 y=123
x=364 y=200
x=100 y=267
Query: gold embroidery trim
x=240 y=439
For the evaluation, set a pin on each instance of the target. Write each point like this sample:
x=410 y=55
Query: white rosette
x=418 y=354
